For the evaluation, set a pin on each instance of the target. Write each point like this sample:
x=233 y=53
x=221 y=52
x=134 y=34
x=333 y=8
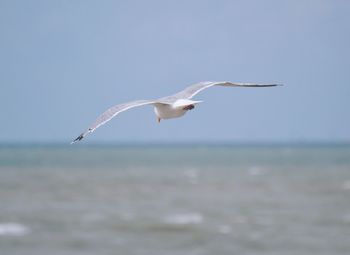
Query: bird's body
x=166 y=111
x=175 y=110
x=166 y=107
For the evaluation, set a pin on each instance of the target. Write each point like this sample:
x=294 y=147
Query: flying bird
x=168 y=107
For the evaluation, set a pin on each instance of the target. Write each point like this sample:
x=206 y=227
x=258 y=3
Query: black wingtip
x=79 y=138
x=273 y=85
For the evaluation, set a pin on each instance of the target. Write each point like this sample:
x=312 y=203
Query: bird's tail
x=185 y=102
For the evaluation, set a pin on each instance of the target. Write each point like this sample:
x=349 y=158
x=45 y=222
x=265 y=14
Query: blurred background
x=63 y=63
x=250 y=171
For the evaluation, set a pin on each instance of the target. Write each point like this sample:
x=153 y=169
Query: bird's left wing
x=111 y=113
x=194 y=89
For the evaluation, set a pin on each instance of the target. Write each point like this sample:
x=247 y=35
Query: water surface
x=201 y=199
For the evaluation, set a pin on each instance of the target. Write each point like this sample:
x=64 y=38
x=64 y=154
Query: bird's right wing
x=194 y=89
x=111 y=113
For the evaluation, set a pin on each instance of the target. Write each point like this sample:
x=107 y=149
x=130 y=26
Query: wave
x=184 y=219
x=13 y=229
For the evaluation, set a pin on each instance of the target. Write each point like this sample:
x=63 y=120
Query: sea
x=182 y=199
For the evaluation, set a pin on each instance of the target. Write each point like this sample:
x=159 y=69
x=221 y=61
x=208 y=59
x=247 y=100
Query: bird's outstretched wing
x=187 y=93
x=194 y=89
x=110 y=113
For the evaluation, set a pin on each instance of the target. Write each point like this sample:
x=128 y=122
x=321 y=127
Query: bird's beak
x=158 y=119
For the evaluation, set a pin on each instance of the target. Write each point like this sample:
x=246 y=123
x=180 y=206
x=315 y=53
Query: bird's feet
x=188 y=107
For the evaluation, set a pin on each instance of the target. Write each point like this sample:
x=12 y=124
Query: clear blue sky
x=62 y=63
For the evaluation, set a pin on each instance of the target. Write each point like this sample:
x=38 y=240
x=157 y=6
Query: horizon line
x=177 y=143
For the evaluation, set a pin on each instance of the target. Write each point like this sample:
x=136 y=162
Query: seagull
x=168 y=107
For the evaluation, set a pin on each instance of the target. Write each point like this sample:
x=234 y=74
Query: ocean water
x=160 y=200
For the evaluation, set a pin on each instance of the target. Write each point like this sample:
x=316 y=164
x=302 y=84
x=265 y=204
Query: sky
x=62 y=63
